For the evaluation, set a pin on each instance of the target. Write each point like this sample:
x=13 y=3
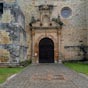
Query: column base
x=60 y=62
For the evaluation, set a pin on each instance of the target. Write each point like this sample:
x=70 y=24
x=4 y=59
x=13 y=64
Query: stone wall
x=12 y=33
x=87 y=19
x=74 y=31
x=15 y=33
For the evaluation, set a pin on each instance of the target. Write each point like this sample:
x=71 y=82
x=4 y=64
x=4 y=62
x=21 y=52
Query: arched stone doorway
x=46 y=51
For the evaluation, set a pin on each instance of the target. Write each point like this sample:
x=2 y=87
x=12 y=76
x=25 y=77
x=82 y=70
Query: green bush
x=25 y=63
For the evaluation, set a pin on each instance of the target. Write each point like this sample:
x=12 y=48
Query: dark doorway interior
x=1 y=8
x=46 y=51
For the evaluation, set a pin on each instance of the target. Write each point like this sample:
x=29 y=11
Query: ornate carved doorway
x=46 y=51
x=45 y=36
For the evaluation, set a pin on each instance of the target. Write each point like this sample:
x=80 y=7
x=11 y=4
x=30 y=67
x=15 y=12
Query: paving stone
x=42 y=76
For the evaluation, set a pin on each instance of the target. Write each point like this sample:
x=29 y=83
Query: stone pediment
x=45 y=20
x=42 y=25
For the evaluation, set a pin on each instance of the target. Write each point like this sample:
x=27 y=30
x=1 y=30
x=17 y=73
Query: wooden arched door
x=46 y=51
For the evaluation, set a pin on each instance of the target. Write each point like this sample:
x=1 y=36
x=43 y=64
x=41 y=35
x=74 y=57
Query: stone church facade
x=43 y=31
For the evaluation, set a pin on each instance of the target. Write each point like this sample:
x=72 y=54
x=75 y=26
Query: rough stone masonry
x=24 y=23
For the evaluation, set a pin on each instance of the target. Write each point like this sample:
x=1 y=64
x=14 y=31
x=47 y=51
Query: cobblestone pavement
x=47 y=76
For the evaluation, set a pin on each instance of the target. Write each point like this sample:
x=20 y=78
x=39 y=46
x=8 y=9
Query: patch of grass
x=6 y=72
x=79 y=67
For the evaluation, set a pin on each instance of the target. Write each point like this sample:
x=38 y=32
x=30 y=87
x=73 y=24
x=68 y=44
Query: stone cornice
x=54 y=27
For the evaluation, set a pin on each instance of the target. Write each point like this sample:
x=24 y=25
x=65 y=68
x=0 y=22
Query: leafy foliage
x=25 y=63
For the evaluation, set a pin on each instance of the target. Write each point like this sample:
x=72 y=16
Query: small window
x=1 y=9
x=66 y=12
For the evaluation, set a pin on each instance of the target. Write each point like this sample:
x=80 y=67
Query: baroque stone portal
x=45 y=28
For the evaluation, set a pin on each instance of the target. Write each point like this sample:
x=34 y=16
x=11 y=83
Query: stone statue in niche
x=58 y=20
x=33 y=20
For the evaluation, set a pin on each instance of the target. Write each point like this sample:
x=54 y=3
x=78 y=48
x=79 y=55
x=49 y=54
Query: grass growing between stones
x=6 y=72
x=79 y=67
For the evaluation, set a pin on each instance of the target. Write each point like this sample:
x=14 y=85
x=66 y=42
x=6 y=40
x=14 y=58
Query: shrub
x=25 y=63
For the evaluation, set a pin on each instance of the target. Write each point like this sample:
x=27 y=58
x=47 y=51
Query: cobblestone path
x=47 y=76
